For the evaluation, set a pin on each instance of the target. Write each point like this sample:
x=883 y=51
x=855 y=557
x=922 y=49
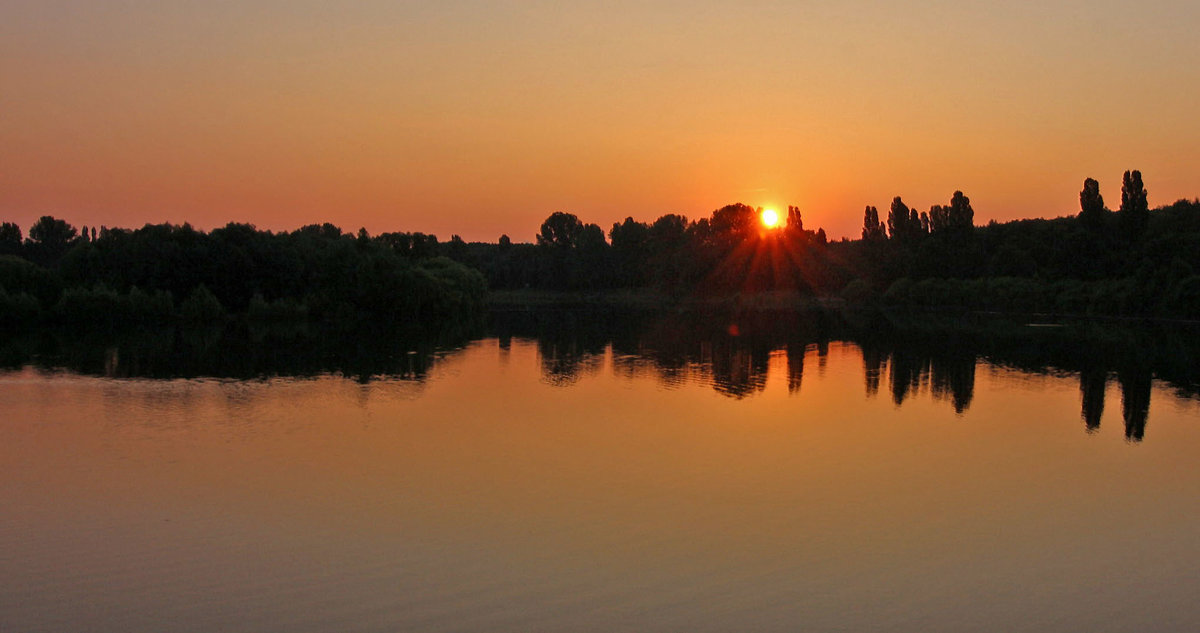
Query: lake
x=580 y=472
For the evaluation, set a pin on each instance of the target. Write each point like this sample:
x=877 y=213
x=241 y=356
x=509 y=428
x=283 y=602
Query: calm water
x=622 y=481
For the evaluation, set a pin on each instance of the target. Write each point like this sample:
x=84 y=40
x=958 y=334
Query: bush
x=202 y=306
x=899 y=293
x=99 y=305
x=1014 y=295
x=1187 y=298
x=282 y=310
x=153 y=307
x=1071 y=297
x=1112 y=297
x=20 y=276
x=858 y=293
x=18 y=309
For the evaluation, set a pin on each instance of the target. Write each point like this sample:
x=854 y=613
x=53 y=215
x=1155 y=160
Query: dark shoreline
x=785 y=301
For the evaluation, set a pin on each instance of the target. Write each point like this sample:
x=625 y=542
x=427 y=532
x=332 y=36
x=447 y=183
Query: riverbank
x=653 y=300
x=786 y=301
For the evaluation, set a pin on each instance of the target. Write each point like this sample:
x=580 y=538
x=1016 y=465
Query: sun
x=769 y=218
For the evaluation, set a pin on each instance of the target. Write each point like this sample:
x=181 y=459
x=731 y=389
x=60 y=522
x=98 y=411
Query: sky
x=482 y=118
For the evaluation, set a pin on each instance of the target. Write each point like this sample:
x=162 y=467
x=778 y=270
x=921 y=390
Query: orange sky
x=481 y=118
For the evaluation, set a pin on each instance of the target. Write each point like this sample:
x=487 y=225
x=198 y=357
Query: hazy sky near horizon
x=482 y=118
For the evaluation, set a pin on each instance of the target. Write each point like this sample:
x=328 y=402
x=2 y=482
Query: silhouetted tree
x=1091 y=205
x=560 y=230
x=939 y=218
x=734 y=222
x=794 y=221
x=10 y=239
x=670 y=259
x=630 y=245
x=456 y=248
x=961 y=215
x=873 y=230
x=898 y=221
x=1135 y=212
x=595 y=268
x=49 y=239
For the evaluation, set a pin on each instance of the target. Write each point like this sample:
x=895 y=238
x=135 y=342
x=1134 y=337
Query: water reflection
x=1093 y=384
x=730 y=352
x=236 y=351
x=1135 y=385
x=1135 y=401
x=947 y=375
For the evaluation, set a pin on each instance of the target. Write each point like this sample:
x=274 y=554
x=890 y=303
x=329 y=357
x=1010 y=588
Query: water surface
x=555 y=482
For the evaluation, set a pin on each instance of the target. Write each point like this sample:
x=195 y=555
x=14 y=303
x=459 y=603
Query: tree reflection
x=1093 y=383
x=911 y=370
x=953 y=379
x=795 y=365
x=733 y=352
x=1135 y=400
x=564 y=361
x=737 y=370
x=908 y=372
x=874 y=364
x=236 y=351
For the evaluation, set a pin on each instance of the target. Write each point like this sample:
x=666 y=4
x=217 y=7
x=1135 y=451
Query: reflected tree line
x=1135 y=386
x=730 y=350
x=261 y=351
x=948 y=375
x=1100 y=353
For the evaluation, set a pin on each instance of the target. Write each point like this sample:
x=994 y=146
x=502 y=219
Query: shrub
x=18 y=309
x=858 y=293
x=899 y=293
x=202 y=306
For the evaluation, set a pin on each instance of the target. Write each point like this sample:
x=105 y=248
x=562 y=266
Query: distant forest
x=1133 y=261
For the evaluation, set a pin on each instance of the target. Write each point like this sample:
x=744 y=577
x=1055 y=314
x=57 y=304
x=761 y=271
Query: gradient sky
x=482 y=118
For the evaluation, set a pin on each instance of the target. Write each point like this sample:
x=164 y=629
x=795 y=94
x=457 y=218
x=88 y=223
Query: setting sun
x=770 y=218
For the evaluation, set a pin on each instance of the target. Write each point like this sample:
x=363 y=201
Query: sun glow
x=769 y=218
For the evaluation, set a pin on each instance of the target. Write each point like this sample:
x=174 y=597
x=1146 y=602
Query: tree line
x=165 y=272
x=1132 y=261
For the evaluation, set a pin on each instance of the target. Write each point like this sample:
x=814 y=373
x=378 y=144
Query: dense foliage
x=1135 y=261
x=166 y=272
x=1130 y=262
